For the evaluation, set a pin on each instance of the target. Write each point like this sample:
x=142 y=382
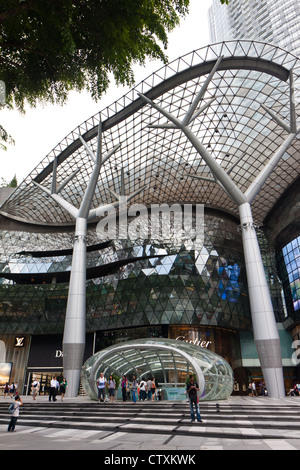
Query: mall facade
x=168 y=288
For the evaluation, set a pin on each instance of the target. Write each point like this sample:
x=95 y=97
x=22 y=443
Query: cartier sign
x=196 y=342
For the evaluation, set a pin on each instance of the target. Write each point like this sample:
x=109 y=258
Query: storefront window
x=223 y=342
x=291 y=254
x=289 y=271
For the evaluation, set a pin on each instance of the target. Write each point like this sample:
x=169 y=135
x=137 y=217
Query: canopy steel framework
x=234 y=128
x=229 y=142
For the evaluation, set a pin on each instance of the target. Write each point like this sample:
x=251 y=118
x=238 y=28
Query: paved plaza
x=240 y=423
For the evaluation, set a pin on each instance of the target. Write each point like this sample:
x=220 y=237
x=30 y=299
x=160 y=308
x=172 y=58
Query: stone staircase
x=252 y=418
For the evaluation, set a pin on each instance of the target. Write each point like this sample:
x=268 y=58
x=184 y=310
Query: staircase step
x=239 y=421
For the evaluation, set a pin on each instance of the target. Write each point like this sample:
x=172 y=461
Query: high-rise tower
x=272 y=21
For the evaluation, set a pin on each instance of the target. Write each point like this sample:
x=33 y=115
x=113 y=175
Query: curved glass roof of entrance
x=235 y=128
x=165 y=359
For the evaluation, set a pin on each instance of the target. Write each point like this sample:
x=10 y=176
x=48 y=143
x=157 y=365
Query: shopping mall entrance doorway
x=44 y=378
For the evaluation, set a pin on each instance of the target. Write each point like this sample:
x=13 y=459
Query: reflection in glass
x=291 y=256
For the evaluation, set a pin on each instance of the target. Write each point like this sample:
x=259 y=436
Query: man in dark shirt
x=192 y=389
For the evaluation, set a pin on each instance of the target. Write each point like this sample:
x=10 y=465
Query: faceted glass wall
x=32 y=309
x=176 y=286
x=133 y=284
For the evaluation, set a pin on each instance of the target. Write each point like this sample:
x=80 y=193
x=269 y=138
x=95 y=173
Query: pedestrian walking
x=149 y=389
x=12 y=390
x=35 y=388
x=63 y=388
x=101 y=384
x=111 y=385
x=153 y=389
x=254 y=391
x=263 y=388
x=143 y=389
x=53 y=389
x=156 y=388
x=15 y=414
x=6 y=389
x=134 y=389
x=124 y=386
x=192 y=388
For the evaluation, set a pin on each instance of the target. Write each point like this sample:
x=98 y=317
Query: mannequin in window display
x=236 y=386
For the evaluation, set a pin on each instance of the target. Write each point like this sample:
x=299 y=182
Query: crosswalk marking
x=247 y=431
x=67 y=433
x=111 y=437
x=58 y=432
x=211 y=447
x=74 y=433
x=279 y=444
x=28 y=430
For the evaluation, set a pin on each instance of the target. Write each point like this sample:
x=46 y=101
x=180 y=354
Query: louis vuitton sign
x=19 y=341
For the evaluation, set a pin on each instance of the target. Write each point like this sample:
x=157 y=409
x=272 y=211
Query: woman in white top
x=143 y=388
x=101 y=384
x=35 y=387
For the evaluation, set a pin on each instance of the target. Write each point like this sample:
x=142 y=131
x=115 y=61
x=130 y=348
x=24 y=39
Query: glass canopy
x=234 y=126
x=169 y=361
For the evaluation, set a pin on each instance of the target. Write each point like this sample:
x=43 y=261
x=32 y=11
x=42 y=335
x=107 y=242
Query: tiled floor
x=34 y=438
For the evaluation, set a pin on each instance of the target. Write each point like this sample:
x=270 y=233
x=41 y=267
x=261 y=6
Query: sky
x=40 y=129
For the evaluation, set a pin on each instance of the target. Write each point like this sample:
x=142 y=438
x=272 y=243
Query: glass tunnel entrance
x=170 y=362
